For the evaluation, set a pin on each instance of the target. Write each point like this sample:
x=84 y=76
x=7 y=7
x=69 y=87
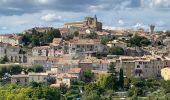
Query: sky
x=19 y=15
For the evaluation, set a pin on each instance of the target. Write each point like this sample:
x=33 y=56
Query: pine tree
x=121 y=79
x=112 y=79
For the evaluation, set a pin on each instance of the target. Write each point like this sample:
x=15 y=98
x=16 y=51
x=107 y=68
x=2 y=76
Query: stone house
x=40 y=51
x=15 y=54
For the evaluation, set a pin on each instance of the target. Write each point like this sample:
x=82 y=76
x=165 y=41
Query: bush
x=36 y=68
x=116 y=51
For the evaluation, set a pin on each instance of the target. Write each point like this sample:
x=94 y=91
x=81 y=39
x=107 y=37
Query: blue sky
x=18 y=15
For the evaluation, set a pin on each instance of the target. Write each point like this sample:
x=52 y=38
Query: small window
x=138 y=66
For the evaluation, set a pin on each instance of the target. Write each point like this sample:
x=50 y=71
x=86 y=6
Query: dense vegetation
x=4 y=60
x=139 y=41
x=33 y=92
x=116 y=51
x=104 y=40
x=17 y=69
x=38 y=38
x=92 y=87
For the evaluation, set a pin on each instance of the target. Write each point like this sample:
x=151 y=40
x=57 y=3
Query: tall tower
x=152 y=27
x=95 y=21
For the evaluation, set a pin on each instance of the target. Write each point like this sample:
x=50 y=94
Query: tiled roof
x=74 y=70
x=41 y=47
x=84 y=41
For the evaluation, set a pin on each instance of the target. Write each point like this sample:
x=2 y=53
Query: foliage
x=139 y=41
x=112 y=79
x=76 y=33
x=102 y=81
x=92 y=95
x=88 y=76
x=63 y=88
x=92 y=36
x=4 y=59
x=13 y=92
x=104 y=40
x=116 y=51
x=70 y=36
x=15 y=69
x=38 y=38
x=99 y=55
x=121 y=79
x=51 y=80
x=36 y=68
x=11 y=69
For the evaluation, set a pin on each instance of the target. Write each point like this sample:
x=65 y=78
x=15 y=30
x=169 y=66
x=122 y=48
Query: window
x=138 y=66
x=78 y=46
x=73 y=48
x=140 y=62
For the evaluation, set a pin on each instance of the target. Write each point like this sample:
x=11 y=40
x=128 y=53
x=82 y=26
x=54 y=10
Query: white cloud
x=51 y=17
x=155 y=3
x=43 y=1
x=121 y=22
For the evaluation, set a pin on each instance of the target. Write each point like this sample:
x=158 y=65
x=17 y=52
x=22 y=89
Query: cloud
x=121 y=22
x=51 y=17
x=155 y=3
x=18 y=15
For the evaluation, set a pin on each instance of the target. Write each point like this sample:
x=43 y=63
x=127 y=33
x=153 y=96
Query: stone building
x=89 y=22
x=14 y=53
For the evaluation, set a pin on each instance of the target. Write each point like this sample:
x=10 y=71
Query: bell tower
x=95 y=21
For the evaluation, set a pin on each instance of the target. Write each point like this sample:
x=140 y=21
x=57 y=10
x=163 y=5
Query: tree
x=63 y=88
x=88 y=76
x=40 y=38
x=139 y=41
x=4 y=60
x=104 y=41
x=121 y=79
x=36 y=68
x=15 y=69
x=76 y=33
x=112 y=79
x=116 y=51
x=51 y=80
x=102 y=81
x=92 y=95
x=92 y=36
x=3 y=70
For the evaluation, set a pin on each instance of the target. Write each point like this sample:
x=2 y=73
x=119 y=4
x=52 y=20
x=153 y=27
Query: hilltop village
x=85 y=52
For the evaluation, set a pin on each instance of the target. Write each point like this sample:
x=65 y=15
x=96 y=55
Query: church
x=89 y=22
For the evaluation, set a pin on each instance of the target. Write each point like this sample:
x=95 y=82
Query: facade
x=89 y=22
x=40 y=51
x=139 y=67
x=165 y=73
x=12 y=39
x=38 y=29
x=31 y=77
x=69 y=76
x=38 y=77
x=15 y=54
x=38 y=60
x=20 y=79
x=116 y=43
x=57 y=47
x=77 y=46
